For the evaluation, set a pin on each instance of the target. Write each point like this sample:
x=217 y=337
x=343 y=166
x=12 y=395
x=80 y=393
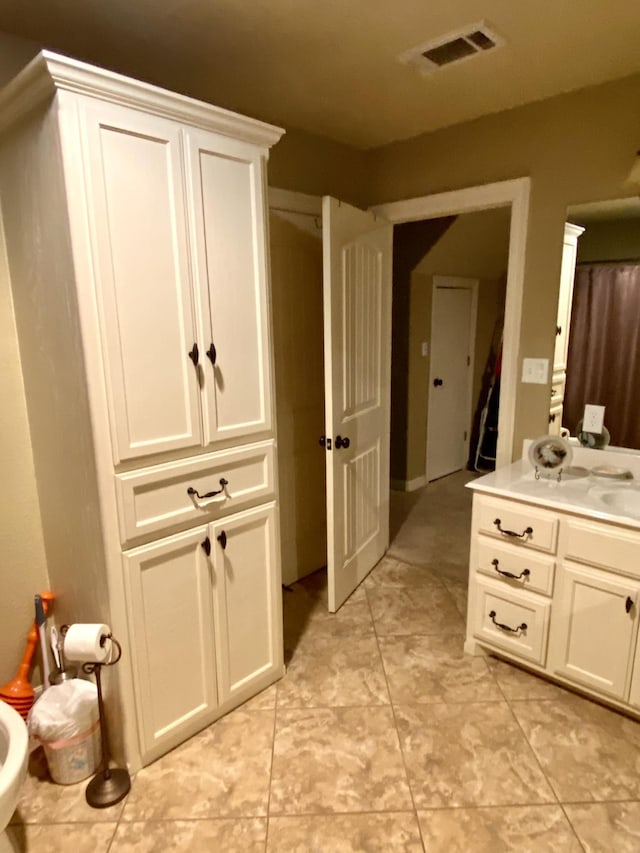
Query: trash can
x=65 y=722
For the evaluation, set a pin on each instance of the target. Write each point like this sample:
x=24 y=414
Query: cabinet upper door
x=135 y=186
x=226 y=186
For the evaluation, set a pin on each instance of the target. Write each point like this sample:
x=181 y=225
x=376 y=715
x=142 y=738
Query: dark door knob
x=342 y=442
x=437 y=382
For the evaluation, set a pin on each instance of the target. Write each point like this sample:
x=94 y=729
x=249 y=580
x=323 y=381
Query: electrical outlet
x=535 y=370
x=593 y=420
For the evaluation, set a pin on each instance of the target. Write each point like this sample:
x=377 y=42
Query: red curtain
x=603 y=366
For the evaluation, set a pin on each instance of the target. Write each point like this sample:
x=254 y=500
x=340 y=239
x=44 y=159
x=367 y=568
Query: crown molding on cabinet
x=49 y=72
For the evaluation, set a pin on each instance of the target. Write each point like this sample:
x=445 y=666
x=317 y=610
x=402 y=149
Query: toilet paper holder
x=110 y=784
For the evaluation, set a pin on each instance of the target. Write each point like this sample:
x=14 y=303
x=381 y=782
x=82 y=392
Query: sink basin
x=622 y=500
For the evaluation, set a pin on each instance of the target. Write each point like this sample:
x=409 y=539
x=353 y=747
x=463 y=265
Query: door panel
x=248 y=596
x=452 y=320
x=594 y=629
x=171 y=617
x=227 y=204
x=357 y=308
x=144 y=286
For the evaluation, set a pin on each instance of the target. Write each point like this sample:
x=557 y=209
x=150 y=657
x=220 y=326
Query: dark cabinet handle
x=222 y=539
x=526 y=532
x=628 y=604
x=508 y=628
x=552 y=418
x=523 y=574
x=558 y=330
x=437 y=382
x=206 y=546
x=342 y=442
x=211 y=354
x=223 y=483
x=194 y=355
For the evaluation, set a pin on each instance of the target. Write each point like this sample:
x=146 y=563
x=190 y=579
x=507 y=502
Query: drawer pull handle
x=206 y=546
x=517 y=630
x=211 y=354
x=628 y=604
x=223 y=483
x=523 y=574
x=222 y=539
x=527 y=531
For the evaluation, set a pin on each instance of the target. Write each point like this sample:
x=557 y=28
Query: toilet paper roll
x=88 y=642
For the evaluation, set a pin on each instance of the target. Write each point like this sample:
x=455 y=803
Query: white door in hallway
x=357 y=257
x=453 y=322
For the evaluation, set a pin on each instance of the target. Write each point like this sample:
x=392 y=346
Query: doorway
x=513 y=193
x=452 y=344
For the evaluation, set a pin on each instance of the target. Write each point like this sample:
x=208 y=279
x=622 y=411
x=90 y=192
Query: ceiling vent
x=453 y=47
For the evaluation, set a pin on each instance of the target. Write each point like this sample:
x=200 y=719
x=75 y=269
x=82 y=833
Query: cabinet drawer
x=156 y=499
x=524 y=618
x=602 y=545
x=532 y=571
x=515 y=521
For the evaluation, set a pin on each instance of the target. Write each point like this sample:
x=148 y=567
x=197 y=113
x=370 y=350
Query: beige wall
x=23 y=570
x=576 y=148
x=475 y=246
x=616 y=240
x=296 y=287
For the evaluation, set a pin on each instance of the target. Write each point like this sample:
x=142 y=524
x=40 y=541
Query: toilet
x=14 y=754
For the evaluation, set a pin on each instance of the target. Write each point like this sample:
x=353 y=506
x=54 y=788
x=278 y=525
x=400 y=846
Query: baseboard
x=408 y=485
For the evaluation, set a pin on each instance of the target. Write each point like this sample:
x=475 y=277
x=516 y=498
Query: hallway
x=383 y=736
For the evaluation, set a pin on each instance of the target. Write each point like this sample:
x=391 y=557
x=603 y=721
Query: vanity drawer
x=532 y=571
x=155 y=499
x=510 y=522
x=497 y=605
x=557 y=389
x=602 y=545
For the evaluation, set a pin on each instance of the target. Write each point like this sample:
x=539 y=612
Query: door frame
x=472 y=285
x=516 y=193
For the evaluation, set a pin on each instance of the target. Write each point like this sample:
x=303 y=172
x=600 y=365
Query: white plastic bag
x=64 y=710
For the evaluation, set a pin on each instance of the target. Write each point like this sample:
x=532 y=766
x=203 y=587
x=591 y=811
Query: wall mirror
x=603 y=341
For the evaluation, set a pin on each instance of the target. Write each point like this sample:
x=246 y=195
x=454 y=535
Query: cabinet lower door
x=248 y=600
x=594 y=626
x=169 y=600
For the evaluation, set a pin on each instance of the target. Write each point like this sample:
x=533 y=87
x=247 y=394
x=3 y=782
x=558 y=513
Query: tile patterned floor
x=383 y=736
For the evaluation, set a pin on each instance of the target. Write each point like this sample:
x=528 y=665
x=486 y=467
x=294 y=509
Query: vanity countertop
x=578 y=490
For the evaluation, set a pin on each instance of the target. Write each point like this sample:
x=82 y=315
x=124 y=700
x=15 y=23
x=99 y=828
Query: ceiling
x=331 y=67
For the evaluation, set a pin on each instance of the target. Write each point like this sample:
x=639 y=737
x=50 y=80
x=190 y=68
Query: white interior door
x=453 y=319
x=357 y=256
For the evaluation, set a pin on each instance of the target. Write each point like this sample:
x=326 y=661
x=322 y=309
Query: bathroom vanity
x=554 y=575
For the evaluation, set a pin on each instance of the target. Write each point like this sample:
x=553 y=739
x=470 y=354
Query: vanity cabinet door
x=594 y=626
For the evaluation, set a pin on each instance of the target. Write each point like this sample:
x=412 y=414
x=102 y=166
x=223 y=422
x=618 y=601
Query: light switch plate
x=535 y=370
x=593 y=420
x=425 y=349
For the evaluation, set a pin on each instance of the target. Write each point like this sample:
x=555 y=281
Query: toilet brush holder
x=110 y=784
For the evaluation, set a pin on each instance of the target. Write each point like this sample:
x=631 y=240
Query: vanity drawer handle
x=628 y=604
x=523 y=574
x=523 y=627
x=527 y=531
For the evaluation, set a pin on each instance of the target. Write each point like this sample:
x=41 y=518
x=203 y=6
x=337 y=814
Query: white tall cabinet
x=135 y=231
